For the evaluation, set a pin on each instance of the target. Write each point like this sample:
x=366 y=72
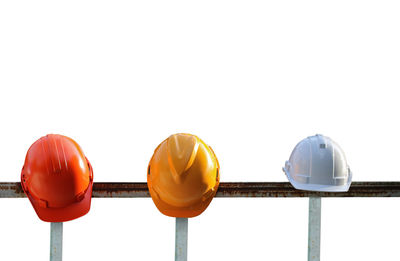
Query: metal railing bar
x=227 y=189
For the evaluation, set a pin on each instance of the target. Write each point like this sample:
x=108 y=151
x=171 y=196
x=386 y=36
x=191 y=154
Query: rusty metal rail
x=227 y=189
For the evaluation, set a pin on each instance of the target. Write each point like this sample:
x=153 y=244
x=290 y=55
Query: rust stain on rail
x=227 y=189
x=285 y=189
x=11 y=190
x=120 y=190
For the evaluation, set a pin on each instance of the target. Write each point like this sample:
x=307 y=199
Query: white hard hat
x=317 y=163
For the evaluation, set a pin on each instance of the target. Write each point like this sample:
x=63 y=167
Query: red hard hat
x=57 y=178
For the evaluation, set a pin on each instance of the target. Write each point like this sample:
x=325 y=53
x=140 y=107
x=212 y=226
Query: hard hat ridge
x=56 y=161
x=182 y=151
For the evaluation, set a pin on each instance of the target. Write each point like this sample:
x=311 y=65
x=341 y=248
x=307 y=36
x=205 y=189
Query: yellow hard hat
x=183 y=176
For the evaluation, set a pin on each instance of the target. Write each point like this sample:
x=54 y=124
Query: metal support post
x=56 y=234
x=181 y=239
x=314 y=228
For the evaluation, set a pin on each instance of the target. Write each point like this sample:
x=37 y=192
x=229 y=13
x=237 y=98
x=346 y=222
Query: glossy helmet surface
x=57 y=178
x=183 y=176
x=317 y=163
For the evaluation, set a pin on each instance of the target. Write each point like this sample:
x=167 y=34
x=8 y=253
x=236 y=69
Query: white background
x=251 y=78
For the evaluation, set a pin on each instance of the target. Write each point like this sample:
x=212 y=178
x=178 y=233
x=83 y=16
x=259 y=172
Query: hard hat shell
x=57 y=178
x=183 y=176
x=317 y=163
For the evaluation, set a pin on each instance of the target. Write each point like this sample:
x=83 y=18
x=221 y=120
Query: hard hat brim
x=318 y=187
x=182 y=212
x=64 y=214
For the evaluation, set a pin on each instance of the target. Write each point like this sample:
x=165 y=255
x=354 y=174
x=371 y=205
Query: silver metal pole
x=181 y=239
x=314 y=228
x=56 y=234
